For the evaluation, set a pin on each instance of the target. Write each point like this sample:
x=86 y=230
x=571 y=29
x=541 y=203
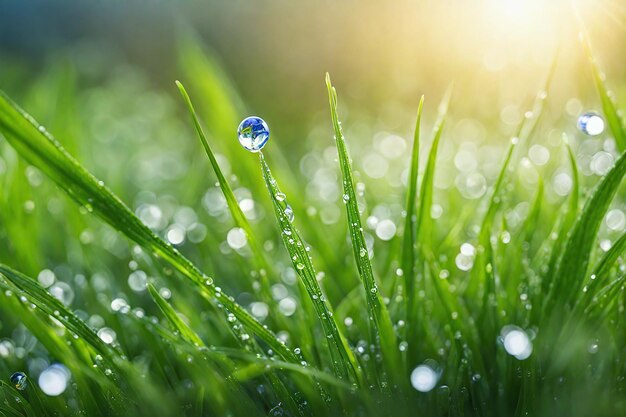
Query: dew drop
x=289 y=213
x=20 y=380
x=591 y=124
x=253 y=133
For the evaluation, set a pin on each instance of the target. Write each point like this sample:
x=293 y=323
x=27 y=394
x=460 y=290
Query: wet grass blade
x=344 y=362
x=37 y=146
x=54 y=308
x=572 y=267
x=424 y=222
x=168 y=311
x=569 y=218
x=599 y=276
x=409 y=236
x=380 y=320
x=609 y=108
x=235 y=210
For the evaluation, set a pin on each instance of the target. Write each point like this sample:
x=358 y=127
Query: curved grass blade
x=40 y=148
x=481 y=274
x=601 y=272
x=609 y=108
x=47 y=305
x=235 y=210
x=562 y=230
x=168 y=311
x=344 y=362
x=380 y=320
x=266 y=364
x=572 y=267
x=54 y=308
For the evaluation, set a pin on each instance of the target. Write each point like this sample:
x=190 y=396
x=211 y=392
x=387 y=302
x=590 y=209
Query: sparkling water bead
x=591 y=124
x=20 y=380
x=253 y=133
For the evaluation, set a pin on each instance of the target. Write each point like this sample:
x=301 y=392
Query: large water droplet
x=591 y=124
x=253 y=133
x=20 y=380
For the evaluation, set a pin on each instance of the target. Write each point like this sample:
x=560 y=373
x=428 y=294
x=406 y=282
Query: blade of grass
x=424 y=221
x=597 y=279
x=415 y=316
x=168 y=311
x=54 y=308
x=37 y=146
x=609 y=108
x=344 y=362
x=572 y=267
x=240 y=219
x=409 y=236
x=380 y=321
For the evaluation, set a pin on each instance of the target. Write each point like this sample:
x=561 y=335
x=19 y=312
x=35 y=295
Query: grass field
x=150 y=265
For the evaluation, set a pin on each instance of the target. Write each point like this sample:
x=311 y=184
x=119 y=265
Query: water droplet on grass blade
x=591 y=124
x=253 y=133
x=289 y=213
x=20 y=380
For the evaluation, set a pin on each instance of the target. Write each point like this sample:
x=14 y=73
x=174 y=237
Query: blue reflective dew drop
x=591 y=123
x=253 y=133
x=20 y=380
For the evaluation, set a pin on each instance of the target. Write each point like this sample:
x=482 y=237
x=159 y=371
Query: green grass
x=310 y=317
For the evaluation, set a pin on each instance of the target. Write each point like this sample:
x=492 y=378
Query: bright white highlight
x=516 y=342
x=424 y=378
x=53 y=380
